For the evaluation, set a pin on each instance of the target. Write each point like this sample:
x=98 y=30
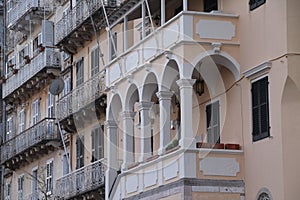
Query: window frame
x=80 y=71
x=7 y=190
x=22 y=122
x=36 y=111
x=21 y=191
x=51 y=108
x=218 y=125
x=49 y=176
x=95 y=61
x=34 y=183
x=260 y=135
x=79 y=152
x=97 y=137
x=253 y=4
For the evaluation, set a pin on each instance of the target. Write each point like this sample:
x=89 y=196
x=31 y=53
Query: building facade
x=151 y=99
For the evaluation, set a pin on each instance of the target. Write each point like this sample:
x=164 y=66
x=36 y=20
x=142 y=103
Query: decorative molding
x=150 y=178
x=258 y=69
x=132 y=184
x=214 y=166
x=215 y=29
x=171 y=170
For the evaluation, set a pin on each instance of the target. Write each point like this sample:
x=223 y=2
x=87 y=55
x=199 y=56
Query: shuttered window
x=20 y=187
x=22 y=120
x=7 y=188
x=256 y=3
x=260 y=109
x=79 y=152
x=213 y=123
x=50 y=105
x=95 y=62
x=49 y=177
x=79 y=72
x=36 y=111
x=97 y=143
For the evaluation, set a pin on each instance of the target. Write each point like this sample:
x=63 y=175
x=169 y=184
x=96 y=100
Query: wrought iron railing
x=48 y=58
x=24 y=6
x=85 y=179
x=42 y=131
x=75 y=17
x=81 y=96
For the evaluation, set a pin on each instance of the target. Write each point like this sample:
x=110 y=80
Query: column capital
x=110 y=124
x=145 y=105
x=164 y=95
x=127 y=114
x=185 y=83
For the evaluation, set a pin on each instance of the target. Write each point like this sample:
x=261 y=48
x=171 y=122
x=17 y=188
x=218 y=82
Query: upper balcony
x=18 y=13
x=88 y=180
x=78 y=24
x=26 y=76
x=208 y=30
x=29 y=144
x=88 y=96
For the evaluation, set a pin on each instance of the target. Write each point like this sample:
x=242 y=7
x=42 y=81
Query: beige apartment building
x=151 y=99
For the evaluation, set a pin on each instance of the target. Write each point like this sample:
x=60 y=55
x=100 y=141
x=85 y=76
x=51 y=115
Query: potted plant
x=15 y=71
x=27 y=59
x=41 y=48
x=232 y=146
x=2 y=80
x=203 y=145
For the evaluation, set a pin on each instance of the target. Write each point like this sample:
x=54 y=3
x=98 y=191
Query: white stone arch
x=132 y=95
x=114 y=106
x=150 y=83
x=171 y=72
x=221 y=58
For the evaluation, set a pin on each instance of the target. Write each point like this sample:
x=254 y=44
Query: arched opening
x=130 y=117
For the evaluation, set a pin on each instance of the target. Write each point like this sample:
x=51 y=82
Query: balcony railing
x=83 y=180
x=81 y=96
x=48 y=58
x=42 y=131
x=75 y=17
x=24 y=6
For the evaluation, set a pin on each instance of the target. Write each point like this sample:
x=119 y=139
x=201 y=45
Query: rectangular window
x=67 y=85
x=213 y=122
x=36 y=43
x=34 y=186
x=95 y=62
x=79 y=72
x=20 y=187
x=22 y=120
x=50 y=105
x=260 y=109
x=113 y=45
x=36 y=111
x=7 y=191
x=24 y=56
x=253 y=4
x=97 y=143
x=79 y=152
x=9 y=128
x=210 y=5
x=10 y=66
x=65 y=166
x=49 y=177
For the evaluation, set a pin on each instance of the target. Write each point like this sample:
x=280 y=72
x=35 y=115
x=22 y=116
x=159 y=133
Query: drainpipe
x=3 y=102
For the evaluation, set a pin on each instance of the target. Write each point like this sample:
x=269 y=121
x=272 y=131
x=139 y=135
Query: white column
x=112 y=155
x=128 y=138
x=143 y=20
x=163 y=11
x=165 y=119
x=144 y=109
x=185 y=5
x=186 y=105
x=125 y=33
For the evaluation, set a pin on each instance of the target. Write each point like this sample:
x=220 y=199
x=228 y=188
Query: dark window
x=114 y=45
x=79 y=72
x=213 y=123
x=260 y=109
x=256 y=3
x=178 y=10
x=97 y=143
x=210 y=5
x=95 y=62
x=79 y=152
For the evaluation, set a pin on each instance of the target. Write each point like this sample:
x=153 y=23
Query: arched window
x=264 y=194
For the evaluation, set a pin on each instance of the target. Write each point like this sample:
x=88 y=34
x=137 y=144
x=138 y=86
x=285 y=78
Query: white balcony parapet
x=75 y=17
x=85 y=179
x=43 y=131
x=48 y=58
x=25 y=6
x=81 y=96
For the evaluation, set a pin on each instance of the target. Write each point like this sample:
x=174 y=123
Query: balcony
x=174 y=34
x=86 y=180
x=29 y=144
x=18 y=15
x=89 y=95
x=37 y=67
x=76 y=26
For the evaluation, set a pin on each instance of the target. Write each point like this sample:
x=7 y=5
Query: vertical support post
x=165 y=119
x=125 y=33
x=144 y=107
x=128 y=138
x=186 y=106
x=185 y=5
x=143 y=20
x=162 y=11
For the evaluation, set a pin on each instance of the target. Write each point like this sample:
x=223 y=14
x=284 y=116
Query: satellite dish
x=57 y=86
